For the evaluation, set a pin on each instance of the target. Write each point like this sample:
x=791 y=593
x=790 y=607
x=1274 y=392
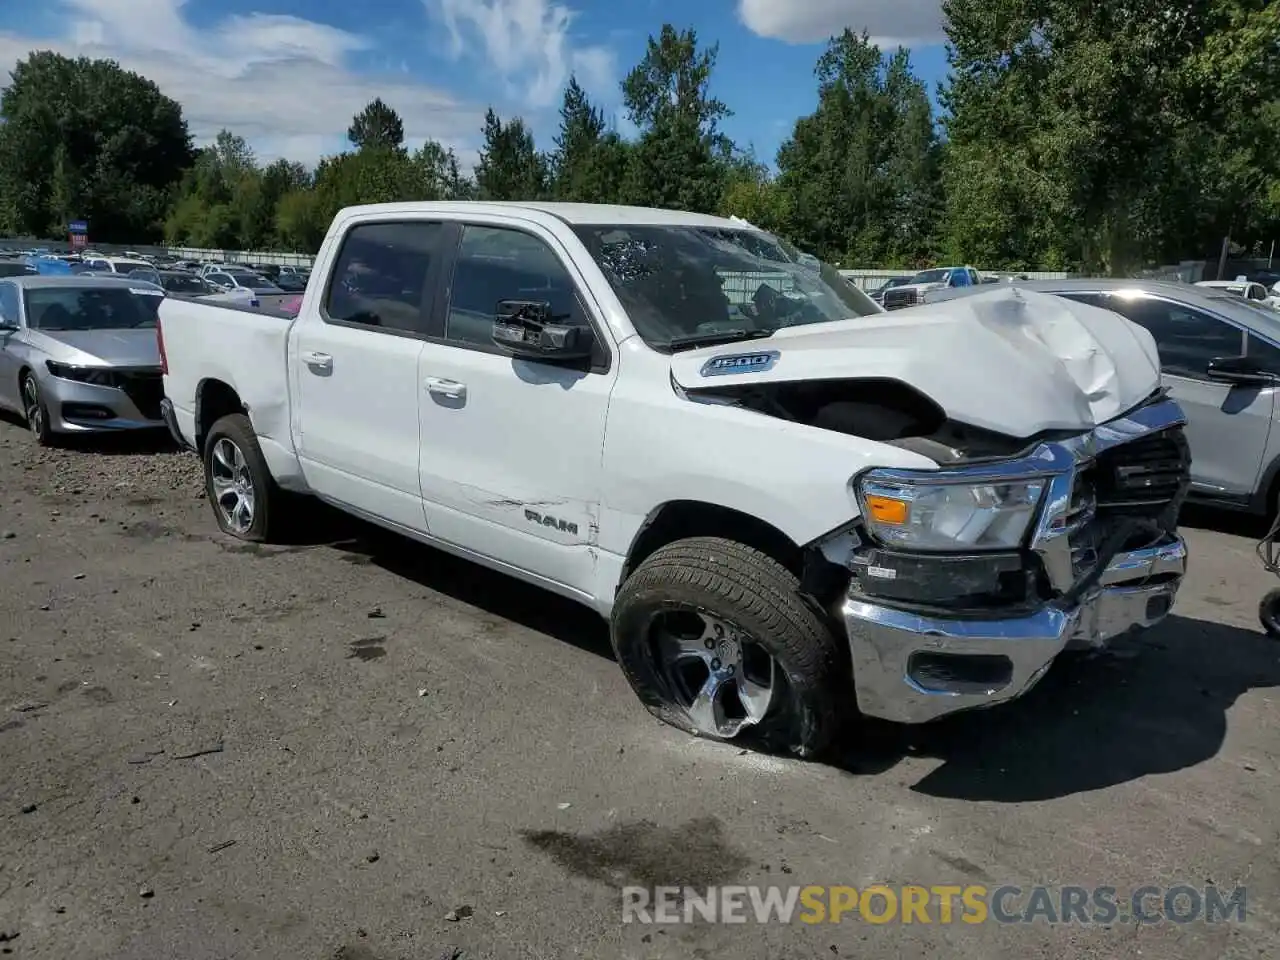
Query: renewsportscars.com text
x=939 y=904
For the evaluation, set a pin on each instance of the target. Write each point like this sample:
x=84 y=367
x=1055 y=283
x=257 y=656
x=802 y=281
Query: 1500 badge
x=739 y=363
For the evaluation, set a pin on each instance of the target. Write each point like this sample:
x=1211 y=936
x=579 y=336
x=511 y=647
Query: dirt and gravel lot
x=357 y=748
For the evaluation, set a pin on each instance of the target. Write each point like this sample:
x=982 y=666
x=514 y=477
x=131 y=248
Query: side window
x=1257 y=291
x=1268 y=357
x=1187 y=339
x=9 y=303
x=958 y=278
x=497 y=263
x=380 y=277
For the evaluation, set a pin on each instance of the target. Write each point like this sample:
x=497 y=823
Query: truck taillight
x=164 y=361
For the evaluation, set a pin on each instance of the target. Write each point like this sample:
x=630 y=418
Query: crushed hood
x=1012 y=361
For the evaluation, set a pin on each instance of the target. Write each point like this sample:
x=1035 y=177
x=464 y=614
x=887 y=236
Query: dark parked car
x=291 y=282
x=185 y=285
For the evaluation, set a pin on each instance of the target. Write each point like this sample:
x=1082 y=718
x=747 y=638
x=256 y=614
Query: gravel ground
x=357 y=748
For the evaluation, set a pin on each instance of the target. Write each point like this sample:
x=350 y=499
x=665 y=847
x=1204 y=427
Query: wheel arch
x=214 y=399
x=681 y=519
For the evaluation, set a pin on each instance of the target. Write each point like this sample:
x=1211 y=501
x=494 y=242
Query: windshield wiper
x=710 y=339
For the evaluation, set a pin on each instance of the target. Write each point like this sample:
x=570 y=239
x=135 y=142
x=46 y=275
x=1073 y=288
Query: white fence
x=240 y=256
x=870 y=280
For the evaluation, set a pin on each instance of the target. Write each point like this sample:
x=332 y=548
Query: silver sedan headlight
x=931 y=514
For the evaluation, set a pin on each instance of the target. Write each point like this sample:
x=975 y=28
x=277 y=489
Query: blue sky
x=289 y=74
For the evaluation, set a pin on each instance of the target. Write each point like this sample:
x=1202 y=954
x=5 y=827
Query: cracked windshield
x=695 y=286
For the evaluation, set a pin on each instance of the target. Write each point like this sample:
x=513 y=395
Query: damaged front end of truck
x=1050 y=522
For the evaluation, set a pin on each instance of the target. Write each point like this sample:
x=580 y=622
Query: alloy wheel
x=723 y=680
x=232 y=484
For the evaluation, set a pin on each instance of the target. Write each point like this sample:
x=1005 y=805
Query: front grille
x=1145 y=476
x=1145 y=479
x=899 y=298
x=145 y=389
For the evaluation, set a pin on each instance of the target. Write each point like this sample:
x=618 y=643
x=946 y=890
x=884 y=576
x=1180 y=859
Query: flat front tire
x=716 y=639
x=241 y=490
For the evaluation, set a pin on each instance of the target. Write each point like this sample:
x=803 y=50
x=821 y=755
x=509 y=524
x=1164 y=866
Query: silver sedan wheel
x=724 y=681
x=232 y=485
x=33 y=408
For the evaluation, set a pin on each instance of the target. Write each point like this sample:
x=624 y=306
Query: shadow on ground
x=464 y=581
x=121 y=443
x=1155 y=704
x=1230 y=522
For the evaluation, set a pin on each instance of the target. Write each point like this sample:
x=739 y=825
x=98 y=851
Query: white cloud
x=528 y=43
x=285 y=84
x=890 y=22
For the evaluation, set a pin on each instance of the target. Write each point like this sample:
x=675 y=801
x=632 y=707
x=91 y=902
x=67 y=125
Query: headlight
x=97 y=376
x=939 y=516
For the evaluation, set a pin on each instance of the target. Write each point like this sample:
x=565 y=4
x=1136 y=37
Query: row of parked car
x=897 y=293
x=178 y=277
x=78 y=351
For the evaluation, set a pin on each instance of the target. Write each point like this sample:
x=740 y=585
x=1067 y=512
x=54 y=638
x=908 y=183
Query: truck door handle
x=320 y=361
x=446 y=388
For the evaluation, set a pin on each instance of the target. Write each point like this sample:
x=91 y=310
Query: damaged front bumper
x=912 y=667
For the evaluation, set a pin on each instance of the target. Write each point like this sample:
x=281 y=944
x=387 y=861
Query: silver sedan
x=78 y=354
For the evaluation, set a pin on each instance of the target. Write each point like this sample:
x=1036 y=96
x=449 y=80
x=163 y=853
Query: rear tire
x=246 y=501
x=718 y=610
x=37 y=413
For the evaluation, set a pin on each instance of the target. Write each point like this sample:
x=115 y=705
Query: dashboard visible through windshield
x=687 y=286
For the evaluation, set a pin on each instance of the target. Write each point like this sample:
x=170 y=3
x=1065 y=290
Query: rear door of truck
x=354 y=361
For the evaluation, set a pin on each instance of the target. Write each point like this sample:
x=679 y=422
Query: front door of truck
x=511 y=448
x=354 y=363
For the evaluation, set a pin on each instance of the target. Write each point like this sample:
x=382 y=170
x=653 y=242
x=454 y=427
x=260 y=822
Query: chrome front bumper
x=896 y=655
x=912 y=668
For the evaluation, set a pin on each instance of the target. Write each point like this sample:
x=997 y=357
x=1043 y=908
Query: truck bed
x=229 y=343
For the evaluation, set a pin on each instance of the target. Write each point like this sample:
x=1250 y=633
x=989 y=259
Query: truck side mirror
x=528 y=329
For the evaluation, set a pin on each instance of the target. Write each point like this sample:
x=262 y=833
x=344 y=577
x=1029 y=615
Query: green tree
x=440 y=174
x=754 y=195
x=586 y=164
x=220 y=199
x=376 y=126
x=681 y=158
x=300 y=223
x=1106 y=135
x=859 y=176
x=84 y=138
x=510 y=168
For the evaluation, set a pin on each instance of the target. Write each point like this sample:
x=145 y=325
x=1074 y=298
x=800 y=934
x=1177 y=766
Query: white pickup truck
x=791 y=506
